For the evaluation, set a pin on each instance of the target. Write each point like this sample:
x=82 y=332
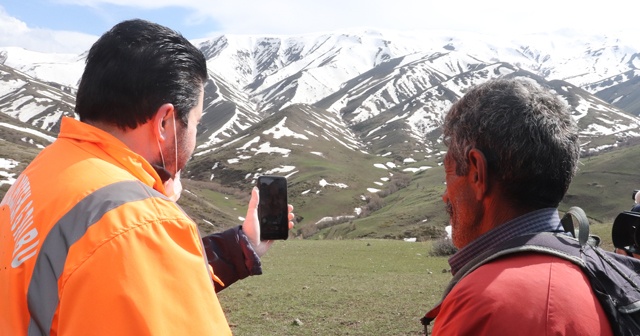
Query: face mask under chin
x=173 y=187
x=172 y=184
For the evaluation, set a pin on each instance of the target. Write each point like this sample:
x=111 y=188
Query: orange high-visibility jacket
x=89 y=246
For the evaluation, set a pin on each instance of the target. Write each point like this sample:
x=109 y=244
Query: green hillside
x=604 y=183
x=408 y=205
x=328 y=174
x=602 y=187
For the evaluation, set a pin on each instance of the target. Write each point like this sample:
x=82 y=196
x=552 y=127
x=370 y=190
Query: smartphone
x=273 y=208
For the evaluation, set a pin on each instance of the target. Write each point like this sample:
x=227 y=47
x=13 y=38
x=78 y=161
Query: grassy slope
x=338 y=164
x=602 y=187
x=355 y=287
x=355 y=170
x=415 y=211
x=342 y=287
x=603 y=184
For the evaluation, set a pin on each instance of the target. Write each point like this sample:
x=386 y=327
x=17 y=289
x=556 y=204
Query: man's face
x=186 y=140
x=464 y=211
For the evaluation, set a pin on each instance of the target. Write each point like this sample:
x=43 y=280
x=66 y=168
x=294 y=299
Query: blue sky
x=72 y=25
x=95 y=18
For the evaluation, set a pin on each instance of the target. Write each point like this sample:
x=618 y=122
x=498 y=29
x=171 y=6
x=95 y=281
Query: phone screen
x=273 y=212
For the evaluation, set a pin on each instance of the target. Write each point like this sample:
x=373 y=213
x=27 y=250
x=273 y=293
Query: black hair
x=135 y=68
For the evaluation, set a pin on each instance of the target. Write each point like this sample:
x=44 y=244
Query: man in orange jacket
x=92 y=240
x=513 y=150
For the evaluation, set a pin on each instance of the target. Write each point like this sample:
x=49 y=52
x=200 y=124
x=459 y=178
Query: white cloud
x=491 y=16
x=294 y=17
x=16 y=33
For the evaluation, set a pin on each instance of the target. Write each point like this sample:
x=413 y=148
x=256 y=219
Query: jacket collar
x=105 y=144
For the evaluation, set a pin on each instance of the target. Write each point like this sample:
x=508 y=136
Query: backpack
x=614 y=278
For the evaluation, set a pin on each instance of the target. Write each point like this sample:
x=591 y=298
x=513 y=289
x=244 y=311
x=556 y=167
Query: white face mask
x=174 y=191
x=172 y=187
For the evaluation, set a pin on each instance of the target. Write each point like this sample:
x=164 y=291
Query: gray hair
x=526 y=133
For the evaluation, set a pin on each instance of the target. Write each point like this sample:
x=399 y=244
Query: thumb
x=252 y=209
x=251 y=227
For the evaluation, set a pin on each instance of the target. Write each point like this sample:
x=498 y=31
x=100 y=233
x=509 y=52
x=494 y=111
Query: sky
x=71 y=26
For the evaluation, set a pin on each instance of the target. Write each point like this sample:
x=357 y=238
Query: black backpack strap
x=617 y=275
x=575 y=217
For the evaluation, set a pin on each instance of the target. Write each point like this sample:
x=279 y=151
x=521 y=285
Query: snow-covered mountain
x=350 y=110
x=33 y=101
x=360 y=74
x=63 y=69
x=410 y=76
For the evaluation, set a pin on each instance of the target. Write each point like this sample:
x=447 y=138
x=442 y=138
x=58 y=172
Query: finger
x=253 y=202
x=291 y=225
x=290 y=207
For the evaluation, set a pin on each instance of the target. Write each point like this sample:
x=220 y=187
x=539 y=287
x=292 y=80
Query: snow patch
x=281 y=169
x=324 y=183
x=30 y=131
x=6 y=177
x=266 y=148
x=280 y=131
x=415 y=170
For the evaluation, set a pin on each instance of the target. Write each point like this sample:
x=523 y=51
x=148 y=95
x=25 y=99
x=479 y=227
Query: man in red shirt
x=513 y=150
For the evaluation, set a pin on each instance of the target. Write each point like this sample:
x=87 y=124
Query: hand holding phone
x=273 y=211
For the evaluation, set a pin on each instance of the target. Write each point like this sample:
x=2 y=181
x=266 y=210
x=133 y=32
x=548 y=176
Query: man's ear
x=478 y=173
x=161 y=119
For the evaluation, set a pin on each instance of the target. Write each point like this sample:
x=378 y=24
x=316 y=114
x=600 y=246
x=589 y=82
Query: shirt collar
x=541 y=220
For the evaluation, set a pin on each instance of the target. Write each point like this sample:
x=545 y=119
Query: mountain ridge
x=361 y=114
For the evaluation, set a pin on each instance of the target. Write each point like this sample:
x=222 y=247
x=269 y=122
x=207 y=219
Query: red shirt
x=528 y=294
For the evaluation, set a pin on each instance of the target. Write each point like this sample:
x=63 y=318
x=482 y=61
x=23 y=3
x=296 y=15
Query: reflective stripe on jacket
x=90 y=246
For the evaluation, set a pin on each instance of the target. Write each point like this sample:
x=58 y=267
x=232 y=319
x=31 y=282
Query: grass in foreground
x=343 y=287
x=338 y=287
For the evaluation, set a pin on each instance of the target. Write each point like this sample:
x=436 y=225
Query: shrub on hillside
x=375 y=203
x=443 y=247
x=308 y=230
x=398 y=181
